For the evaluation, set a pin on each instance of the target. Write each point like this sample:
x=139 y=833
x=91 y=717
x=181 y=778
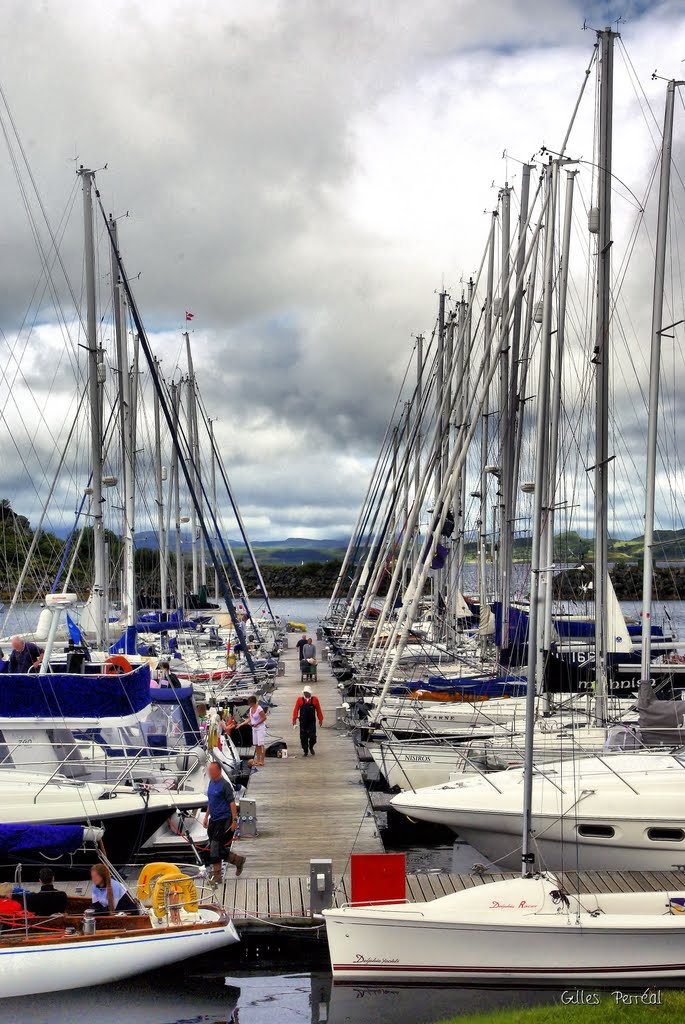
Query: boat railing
x=49 y=779
x=189 y=771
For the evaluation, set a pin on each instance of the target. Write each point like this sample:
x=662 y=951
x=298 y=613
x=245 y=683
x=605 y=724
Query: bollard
x=320 y=885
x=319 y=633
x=286 y=642
x=281 y=668
x=324 y=654
x=248 y=818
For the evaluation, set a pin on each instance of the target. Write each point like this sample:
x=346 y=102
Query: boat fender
x=168 y=888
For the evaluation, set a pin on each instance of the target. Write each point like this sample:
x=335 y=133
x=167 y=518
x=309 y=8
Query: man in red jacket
x=307 y=709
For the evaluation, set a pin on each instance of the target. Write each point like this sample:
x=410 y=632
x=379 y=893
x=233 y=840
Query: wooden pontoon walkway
x=307 y=807
x=262 y=904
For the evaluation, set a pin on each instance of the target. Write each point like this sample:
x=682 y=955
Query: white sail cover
x=618 y=638
x=461 y=609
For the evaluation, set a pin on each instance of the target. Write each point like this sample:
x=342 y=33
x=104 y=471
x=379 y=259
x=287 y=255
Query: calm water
x=258 y=998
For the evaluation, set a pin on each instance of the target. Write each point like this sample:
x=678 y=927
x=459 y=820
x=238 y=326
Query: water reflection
x=312 y=998
x=250 y=997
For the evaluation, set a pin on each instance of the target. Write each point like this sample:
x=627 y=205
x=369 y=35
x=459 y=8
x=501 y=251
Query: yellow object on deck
x=297 y=627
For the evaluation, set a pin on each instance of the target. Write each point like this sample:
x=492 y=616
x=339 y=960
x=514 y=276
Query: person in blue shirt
x=108 y=895
x=221 y=819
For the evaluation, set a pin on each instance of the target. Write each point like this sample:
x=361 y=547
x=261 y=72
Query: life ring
x=179 y=885
x=149 y=875
x=117 y=665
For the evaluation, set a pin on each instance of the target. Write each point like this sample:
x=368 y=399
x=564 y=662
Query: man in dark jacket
x=47 y=900
x=24 y=656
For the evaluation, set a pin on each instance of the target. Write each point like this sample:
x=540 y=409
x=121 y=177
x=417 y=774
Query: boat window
x=596 y=831
x=666 y=835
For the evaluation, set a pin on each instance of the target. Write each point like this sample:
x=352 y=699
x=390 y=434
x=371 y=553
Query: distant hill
x=291 y=551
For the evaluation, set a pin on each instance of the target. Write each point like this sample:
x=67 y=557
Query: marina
x=342 y=624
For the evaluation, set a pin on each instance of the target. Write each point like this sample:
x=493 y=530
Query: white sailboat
x=530 y=928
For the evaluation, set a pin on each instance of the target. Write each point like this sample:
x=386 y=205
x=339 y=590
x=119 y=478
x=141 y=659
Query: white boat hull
x=618 y=811
x=77 y=963
x=508 y=939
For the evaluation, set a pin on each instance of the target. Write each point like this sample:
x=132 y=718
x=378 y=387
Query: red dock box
x=378 y=878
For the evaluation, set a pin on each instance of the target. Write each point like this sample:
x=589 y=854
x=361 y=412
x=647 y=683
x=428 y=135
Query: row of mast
x=188 y=452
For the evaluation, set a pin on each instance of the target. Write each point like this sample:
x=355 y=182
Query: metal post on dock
x=320 y=885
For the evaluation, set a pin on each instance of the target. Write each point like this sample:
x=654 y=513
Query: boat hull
x=78 y=963
x=560 y=845
x=458 y=953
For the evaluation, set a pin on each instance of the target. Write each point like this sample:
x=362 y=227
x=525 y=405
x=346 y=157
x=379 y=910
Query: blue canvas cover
x=51 y=840
x=63 y=695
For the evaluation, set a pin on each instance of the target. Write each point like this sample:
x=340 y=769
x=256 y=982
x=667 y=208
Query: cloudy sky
x=302 y=175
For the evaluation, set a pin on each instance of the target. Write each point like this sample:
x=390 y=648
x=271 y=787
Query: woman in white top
x=256 y=716
x=108 y=895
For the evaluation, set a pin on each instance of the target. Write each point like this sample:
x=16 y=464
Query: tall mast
x=175 y=482
x=654 y=370
x=95 y=370
x=215 y=506
x=159 y=489
x=483 y=512
x=556 y=399
x=504 y=373
x=418 y=439
x=127 y=422
x=508 y=463
x=192 y=448
x=602 y=364
x=439 y=442
x=539 y=501
x=463 y=356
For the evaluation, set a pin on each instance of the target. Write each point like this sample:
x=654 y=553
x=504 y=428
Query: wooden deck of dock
x=262 y=905
x=313 y=807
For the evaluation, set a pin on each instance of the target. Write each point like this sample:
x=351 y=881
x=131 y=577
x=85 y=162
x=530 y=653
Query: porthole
x=596 y=831
x=666 y=835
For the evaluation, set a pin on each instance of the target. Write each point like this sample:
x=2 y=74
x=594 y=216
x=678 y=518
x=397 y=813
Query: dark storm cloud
x=238 y=138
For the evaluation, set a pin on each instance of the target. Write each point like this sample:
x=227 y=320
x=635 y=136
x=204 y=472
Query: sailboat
x=76 y=949
x=531 y=928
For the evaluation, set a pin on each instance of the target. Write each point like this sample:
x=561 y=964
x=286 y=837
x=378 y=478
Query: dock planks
x=313 y=807
x=288 y=898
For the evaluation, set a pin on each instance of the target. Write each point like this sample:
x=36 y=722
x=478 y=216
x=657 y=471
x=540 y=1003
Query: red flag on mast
x=189 y=316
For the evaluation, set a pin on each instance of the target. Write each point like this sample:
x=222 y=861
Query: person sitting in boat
x=109 y=896
x=47 y=900
x=11 y=910
x=24 y=656
x=165 y=677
